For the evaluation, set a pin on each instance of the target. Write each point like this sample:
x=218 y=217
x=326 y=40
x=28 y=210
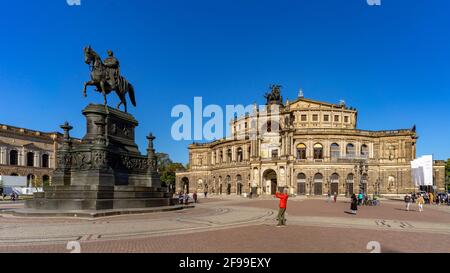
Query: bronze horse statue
x=101 y=79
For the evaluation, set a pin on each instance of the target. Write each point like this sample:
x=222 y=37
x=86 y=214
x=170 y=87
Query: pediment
x=311 y=104
x=32 y=147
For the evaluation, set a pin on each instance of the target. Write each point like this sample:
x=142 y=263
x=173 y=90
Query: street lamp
x=361 y=168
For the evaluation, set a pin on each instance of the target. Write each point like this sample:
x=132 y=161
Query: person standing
x=206 y=193
x=407 y=201
x=329 y=197
x=194 y=196
x=354 y=204
x=335 y=197
x=186 y=198
x=282 y=207
x=420 y=202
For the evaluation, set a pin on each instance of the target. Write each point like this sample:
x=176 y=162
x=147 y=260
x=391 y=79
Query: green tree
x=162 y=161
x=167 y=169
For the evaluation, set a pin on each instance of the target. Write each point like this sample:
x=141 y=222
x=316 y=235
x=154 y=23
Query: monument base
x=100 y=198
x=105 y=171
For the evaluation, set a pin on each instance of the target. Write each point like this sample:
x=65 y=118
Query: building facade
x=308 y=147
x=29 y=153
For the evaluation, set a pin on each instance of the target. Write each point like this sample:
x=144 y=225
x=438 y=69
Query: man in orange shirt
x=283 y=203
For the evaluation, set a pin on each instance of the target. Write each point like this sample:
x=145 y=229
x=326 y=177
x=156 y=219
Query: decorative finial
x=300 y=94
x=150 y=139
x=66 y=127
x=151 y=154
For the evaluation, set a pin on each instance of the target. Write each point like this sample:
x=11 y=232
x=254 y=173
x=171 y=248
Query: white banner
x=422 y=171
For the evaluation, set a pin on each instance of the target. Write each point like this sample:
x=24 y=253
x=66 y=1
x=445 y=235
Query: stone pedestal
x=105 y=170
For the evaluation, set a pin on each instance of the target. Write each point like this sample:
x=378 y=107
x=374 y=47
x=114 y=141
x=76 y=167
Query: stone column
x=62 y=175
x=155 y=180
x=3 y=155
x=37 y=159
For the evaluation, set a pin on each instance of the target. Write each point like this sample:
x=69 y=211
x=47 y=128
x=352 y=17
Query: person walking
x=194 y=196
x=206 y=193
x=360 y=199
x=282 y=207
x=329 y=197
x=420 y=202
x=407 y=201
x=335 y=197
x=354 y=204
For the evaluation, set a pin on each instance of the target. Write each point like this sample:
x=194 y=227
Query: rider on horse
x=113 y=64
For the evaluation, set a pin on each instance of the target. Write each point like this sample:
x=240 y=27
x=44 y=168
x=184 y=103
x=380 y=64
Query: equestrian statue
x=106 y=77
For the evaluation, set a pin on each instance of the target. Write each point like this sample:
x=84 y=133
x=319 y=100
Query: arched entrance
x=228 y=185
x=239 y=184
x=363 y=186
x=318 y=182
x=334 y=186
x=271 y=183
x=301 y=184
x=185 y=185
x=31 y=179
x=349 y=185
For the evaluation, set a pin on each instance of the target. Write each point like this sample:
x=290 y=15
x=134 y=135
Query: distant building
x=317 y=149
x=29 y=153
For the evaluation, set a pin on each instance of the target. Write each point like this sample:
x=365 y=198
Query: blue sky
x=391 y=62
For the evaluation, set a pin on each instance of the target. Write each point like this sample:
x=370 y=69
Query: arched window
x=365 y=151
x=350 y=178
x=335 y=178
x=318 y=178
x=45 y=161
x=301 y=151
x=335 y=151
x=13 y=158
x=30 y=159
x=240 y=155
x=318 y=151
x=350 y=150
x=301 y=178
x=229 y=155
x=46 y=180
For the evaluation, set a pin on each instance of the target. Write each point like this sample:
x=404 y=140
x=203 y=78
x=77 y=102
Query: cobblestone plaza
x=239 y=225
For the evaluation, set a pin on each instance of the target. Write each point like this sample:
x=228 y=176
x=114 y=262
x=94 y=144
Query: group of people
x=183 y=198
x=13 y=196
x=425 y=198
x=362 y=199
x=335 y=196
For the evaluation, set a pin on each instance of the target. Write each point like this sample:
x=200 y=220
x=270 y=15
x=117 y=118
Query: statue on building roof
x=274 y=96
